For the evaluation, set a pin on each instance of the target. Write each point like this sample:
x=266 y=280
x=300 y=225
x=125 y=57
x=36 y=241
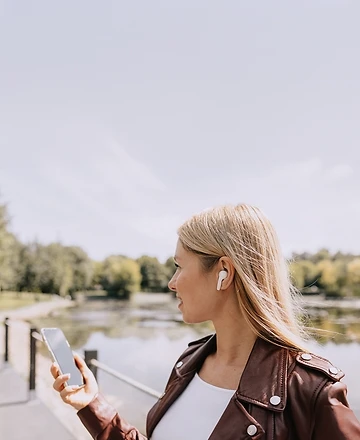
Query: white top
x=195 y=413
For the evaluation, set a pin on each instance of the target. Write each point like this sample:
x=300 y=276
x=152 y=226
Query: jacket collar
x=264 y=377
x=264 y=380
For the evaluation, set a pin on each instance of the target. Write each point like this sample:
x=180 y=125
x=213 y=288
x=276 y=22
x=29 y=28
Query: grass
x=15 y=300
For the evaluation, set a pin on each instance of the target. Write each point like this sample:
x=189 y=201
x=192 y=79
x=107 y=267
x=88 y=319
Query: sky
x=121 y=119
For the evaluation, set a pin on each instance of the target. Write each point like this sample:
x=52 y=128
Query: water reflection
x=338 y=324
x=114 y=318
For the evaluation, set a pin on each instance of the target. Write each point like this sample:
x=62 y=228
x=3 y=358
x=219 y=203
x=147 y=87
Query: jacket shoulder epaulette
x=314 y=362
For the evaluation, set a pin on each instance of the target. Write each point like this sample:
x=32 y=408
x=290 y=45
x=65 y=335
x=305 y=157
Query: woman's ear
x=226 y=273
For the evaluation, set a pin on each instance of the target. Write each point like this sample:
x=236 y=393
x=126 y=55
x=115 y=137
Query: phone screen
x=62 y=354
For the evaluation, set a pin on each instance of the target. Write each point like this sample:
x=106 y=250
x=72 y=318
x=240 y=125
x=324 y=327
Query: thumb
x=81 y=364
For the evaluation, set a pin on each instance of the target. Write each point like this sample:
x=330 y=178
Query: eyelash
x=176 y=265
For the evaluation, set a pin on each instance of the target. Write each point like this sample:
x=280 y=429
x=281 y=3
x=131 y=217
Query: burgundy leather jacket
x=282 y=395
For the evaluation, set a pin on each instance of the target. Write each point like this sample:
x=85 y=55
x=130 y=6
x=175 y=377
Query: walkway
x=24 y=419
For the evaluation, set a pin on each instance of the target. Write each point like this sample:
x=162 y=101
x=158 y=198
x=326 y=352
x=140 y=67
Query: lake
x=143 y=337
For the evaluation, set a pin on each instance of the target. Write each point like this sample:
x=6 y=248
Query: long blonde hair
x=265 y=294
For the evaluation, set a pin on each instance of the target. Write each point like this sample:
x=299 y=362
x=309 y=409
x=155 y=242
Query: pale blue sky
x=119 y=119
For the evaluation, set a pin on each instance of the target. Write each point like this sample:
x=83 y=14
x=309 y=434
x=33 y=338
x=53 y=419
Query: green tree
x=331 y=276
x=121 y=276
x=353 y=276
x=153 y=274
x=98 y=269
x=10 y=249
x=81 y=267
x=322 y=254
x=50 y=269
x=304 y=274
x=25 y=274
x=55 y=269
x=340 y=267
x=169 y=267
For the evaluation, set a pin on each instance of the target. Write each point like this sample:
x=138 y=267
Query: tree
x=54 y=269
x=340 y=268
x=28 y=279
x=330 y=277
x=98 y=269
x=322 y=254
x=82 y=268
x=10 y=249
x=353 y=276
x=121 y=276
x=169 y=267
x=153 y=274
x=304 y=274
x=50 y=269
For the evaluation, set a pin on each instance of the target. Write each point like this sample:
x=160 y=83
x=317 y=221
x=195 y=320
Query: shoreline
x=37 y=309
x=325 y=303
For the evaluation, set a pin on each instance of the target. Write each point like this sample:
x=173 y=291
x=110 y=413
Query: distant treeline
x=335 y=274
x=64 y=270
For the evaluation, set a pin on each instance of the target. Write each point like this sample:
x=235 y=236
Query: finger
x=81 y=364
x=73 y=388
x=59 y=383
x=68 y=392
x=54 y=370
x=65 y=395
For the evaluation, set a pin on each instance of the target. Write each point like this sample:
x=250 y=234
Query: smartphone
x=61 y=353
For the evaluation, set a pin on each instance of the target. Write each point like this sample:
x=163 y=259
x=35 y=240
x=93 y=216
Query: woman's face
x=194 y=287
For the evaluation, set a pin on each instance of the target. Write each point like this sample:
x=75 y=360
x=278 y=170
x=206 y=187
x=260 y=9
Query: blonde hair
x=265 y=294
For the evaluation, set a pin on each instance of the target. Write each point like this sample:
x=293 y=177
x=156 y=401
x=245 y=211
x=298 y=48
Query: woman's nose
x=172 y=284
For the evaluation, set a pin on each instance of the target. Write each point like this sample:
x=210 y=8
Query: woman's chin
x=187 y=319
x=192 y=319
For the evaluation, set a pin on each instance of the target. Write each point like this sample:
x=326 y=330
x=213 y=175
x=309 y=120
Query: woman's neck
x=224 y=367
x=234 y=340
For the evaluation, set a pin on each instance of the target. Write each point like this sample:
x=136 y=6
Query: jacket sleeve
x=333 y=417
x=104 y=423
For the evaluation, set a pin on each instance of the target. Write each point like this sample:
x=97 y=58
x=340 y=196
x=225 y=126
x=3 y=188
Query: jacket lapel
x=264 y=378
x=182 y=374
x=237 y=424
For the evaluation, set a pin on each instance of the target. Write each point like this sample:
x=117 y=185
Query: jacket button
x=251 y=430
x=306 y=357
x=179 y=364
x=333 y=370
x=275 y=400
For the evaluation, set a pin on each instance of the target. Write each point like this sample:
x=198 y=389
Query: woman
x=252 y=379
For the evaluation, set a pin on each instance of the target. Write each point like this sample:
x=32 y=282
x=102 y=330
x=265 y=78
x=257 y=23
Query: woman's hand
x=76 y=396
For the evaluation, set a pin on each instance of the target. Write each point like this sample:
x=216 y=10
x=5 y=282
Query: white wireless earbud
x=222 y=276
